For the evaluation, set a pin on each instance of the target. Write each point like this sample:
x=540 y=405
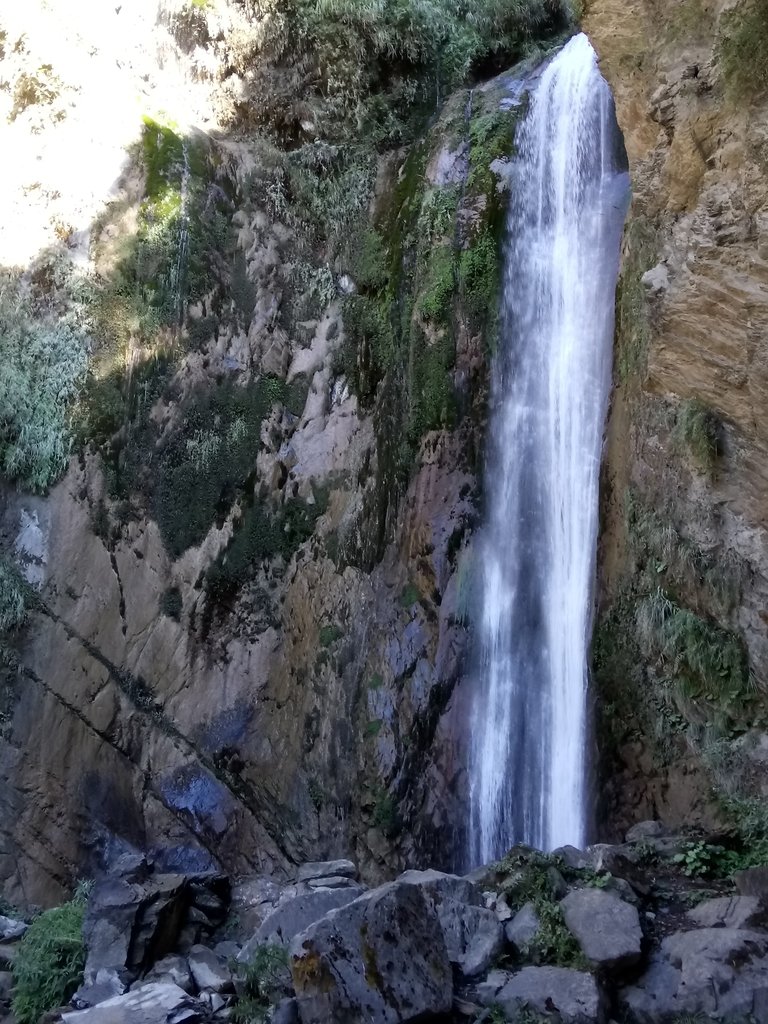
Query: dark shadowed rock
x=606 y=928
x=753 y=882
x=326 y=869
x=295 y=915
x=130 y=924
x=572 y=996
x=330 y=882
x=381 y=959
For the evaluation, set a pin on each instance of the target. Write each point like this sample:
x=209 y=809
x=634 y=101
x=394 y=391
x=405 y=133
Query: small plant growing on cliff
x=13 y=596
x=699 y=429
x=264 y=978
x=744 y=49
x=50 y=961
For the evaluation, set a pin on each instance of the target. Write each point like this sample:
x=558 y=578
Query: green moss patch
x=743 y=49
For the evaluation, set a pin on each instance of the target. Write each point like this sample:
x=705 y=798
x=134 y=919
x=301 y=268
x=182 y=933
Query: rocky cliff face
x=247 y=597
x=680 y=650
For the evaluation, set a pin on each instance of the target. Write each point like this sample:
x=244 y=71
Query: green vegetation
x=49 y=963
x=385 y=815
x=633 y=331
x=374 y=65
x=705 y=664
x=699 y=429
x=171 y=603
x=264 y=978
x=13 y=596
x=329 y=634
x=373 y=728
x=43 y=355
x=534 y=878
x=409 y=596
x=743 y=49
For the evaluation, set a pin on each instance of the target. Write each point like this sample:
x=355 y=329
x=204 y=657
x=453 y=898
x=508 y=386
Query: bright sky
x=113 y=63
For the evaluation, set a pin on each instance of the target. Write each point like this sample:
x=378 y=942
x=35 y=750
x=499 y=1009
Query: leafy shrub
x=699 y=428
x=329 y=634
x=49 y=962
x=264 y=979
x=204 y=462
x=744 y=49
x=369 y=61
x=42 y=366
x=707 y=663
x=13 y=596
x=171 y=603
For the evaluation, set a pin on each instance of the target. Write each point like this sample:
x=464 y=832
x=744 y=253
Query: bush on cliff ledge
x=50 y=961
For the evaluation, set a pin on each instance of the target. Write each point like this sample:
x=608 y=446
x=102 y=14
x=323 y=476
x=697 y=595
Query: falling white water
x=550 y=385
x=182 y=245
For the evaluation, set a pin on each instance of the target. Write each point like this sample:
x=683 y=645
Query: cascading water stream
x=550 y=386
x=182 y=246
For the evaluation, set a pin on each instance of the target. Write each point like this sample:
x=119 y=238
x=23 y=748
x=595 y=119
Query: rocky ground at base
x=629 y=933
x=634 y=932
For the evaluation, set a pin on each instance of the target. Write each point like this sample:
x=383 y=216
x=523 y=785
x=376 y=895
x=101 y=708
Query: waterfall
x=182 y=245
x=549 y=392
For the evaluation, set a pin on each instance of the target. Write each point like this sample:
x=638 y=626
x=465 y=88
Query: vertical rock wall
x=681 y=645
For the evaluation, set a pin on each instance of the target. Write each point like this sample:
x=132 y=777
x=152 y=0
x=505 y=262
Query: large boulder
x=522 y=929
x=296 y=914
x=719 y=972
x=473 y=934
x=729 y=912
x=571 y=997
x=381 y=959
x=606 y=928
x=155 y=1003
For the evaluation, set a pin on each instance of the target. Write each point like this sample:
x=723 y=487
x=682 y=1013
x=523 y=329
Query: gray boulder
x=174 y=969
x=729 y=912
x=296 y=914
x=473 y=934
x=719 y=972
x=105 y=985
x=572 y=857
x=326 y=869
x=606 y=928
x=381 y=959
x=154 y=1003
x=573 y=997
x=209 y=972
x=11 y=929
x=645 y=830
x=523 y=927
